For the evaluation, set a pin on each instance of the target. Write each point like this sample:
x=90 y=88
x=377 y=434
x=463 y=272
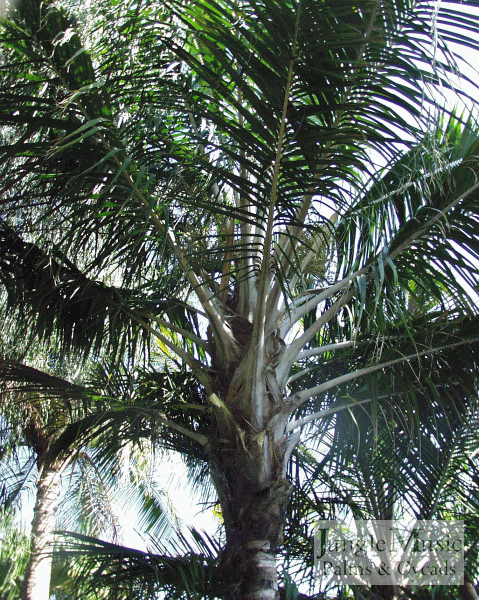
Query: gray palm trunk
x=253 y=495
x=253 y=435
x=248 y=456
x=36 y=584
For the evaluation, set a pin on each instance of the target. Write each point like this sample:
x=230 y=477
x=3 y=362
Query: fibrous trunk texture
x=37 y=576
x=247 y=459
x=254 y=513
x=247 y=467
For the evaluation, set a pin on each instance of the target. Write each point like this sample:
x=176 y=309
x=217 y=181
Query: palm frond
x=14 y=547
x=122 y=571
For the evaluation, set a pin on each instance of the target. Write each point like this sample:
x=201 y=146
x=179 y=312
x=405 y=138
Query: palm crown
x=272 y=192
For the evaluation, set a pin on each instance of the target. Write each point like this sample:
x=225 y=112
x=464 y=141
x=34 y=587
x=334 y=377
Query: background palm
x=177 y=184
x=67 y=449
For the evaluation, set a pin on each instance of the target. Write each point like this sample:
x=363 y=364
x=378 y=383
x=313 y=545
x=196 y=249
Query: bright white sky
x=173 y=479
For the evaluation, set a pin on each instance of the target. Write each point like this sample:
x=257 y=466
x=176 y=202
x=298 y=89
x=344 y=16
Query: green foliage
x=272 y=194
x=14 y=548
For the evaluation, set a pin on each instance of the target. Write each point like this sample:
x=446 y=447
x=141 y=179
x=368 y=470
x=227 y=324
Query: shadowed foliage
x=278 y=196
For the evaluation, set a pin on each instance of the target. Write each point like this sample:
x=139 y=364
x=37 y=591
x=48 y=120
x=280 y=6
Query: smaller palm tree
x=52 y=449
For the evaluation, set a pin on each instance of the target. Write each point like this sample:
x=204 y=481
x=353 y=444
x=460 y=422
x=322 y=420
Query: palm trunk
x=253 y=511
x=260 y=578
x=36 y=584
x=247 y=458
x=467 y=591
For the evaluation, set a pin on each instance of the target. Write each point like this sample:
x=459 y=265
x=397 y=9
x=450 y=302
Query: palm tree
x=69 y=435
x=33 y=426
x=269 y=192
